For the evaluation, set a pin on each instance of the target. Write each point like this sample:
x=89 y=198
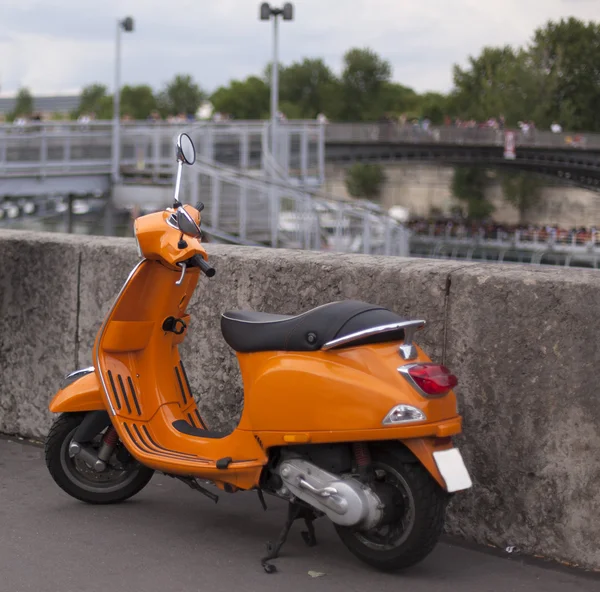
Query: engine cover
x=344 y=501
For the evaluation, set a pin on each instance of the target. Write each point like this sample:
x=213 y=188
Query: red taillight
x=432 y=379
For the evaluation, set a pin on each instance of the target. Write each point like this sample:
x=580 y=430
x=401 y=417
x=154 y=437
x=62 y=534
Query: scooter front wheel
x=416 y=529
x=122 y=478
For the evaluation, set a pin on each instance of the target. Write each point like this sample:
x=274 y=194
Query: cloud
x=50 y=47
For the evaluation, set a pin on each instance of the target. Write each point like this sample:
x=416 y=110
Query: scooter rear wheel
x=414 y=533
x=121 y=480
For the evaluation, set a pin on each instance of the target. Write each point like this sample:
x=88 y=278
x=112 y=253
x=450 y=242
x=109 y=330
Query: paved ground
x=170 y=538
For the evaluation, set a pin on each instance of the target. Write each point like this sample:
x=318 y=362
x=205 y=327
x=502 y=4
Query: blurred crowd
x=504 y=232
x=527 y=127
x=421 y=123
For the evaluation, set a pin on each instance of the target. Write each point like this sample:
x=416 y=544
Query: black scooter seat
x=248 y=331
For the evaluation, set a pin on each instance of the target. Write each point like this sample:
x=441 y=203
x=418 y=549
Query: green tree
x=434 y=106
x=485 y=87
x=291 y=110
x=468 y=185
x=398 y=99
x=522 y=190
x=92 y=99
x=568 y=53
x=181 y=95
x=23 y=104
x=247 y=99
x=363 y=82
x=137 y=101
x=308 y=84
x=105 y=108
x=365 y=180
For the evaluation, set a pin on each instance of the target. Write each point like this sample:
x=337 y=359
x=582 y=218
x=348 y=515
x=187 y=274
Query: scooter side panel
x=82 y=395
x=346 y=390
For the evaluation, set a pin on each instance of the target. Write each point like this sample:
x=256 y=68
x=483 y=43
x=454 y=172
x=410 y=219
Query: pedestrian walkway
x=171 y=538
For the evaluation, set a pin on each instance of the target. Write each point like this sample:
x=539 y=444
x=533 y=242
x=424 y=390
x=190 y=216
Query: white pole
x=116 y=109
x=275 y=86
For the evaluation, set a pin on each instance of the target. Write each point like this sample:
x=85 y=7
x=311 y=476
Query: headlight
x=403 y=414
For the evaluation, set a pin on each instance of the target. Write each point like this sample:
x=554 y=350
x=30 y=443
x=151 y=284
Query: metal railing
x=59 y=148
x=251 y=195
x=69 y=148
x=532 y=246
x=505 y=252
x=269 y=211
x=553 y=237
x=477 y=136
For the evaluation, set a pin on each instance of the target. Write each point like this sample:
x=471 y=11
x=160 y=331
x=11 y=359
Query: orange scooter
x=344 y=416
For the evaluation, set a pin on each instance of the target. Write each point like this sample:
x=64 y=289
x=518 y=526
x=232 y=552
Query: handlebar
x=198 y=261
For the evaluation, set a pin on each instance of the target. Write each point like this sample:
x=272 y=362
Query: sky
x=58 y=47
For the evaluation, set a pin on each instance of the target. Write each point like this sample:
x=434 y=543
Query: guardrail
x=571 y=249
x=271 y=211
x=548 y=238
x=59 y=148
x=48 y=148
x=249 y=193
x=478 y=136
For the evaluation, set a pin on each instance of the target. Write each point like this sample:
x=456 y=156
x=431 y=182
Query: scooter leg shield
x=82 y=395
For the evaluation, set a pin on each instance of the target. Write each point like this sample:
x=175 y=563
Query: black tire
x=420 y=537
x=84 y=485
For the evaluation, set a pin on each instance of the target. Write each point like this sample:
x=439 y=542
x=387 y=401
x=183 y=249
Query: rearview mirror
x=186 y=153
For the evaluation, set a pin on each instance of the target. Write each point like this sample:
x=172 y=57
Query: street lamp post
x=266 y=12
x=125 y=25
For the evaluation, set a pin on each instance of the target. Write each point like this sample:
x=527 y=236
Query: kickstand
x=261 y=498
x=295 y=512
x=309 y=535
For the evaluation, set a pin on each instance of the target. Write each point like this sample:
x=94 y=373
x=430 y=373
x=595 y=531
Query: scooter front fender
x=82 y=395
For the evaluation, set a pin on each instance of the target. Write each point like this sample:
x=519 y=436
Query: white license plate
x=452 y=467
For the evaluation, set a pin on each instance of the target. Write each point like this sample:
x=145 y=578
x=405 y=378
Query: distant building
x=46 y=106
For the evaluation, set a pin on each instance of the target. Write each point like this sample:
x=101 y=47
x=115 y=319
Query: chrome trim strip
x=103 y=329
x=404 y=372
x=81 y=372
x=372 y=331
x=74 y=376
x=168 y=221
x=408 y=351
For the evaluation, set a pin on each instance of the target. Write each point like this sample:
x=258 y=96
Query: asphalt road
x=170 y=538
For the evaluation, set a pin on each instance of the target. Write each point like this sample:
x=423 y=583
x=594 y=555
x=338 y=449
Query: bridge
x=573 y=158
x=41 y=157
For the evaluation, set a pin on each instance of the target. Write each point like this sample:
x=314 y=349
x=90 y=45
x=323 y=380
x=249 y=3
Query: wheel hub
x=393 y=503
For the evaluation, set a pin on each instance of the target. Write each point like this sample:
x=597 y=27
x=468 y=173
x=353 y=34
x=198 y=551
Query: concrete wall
x=421 y=187
x=522 y=340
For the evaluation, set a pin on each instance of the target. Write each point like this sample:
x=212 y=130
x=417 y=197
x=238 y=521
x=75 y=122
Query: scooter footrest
x=183 y=427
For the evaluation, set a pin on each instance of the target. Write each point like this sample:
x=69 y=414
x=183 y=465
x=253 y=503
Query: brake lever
x=183 y=268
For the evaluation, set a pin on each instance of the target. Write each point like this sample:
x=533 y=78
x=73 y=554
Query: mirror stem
x=181 y=244
x=176 y=202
